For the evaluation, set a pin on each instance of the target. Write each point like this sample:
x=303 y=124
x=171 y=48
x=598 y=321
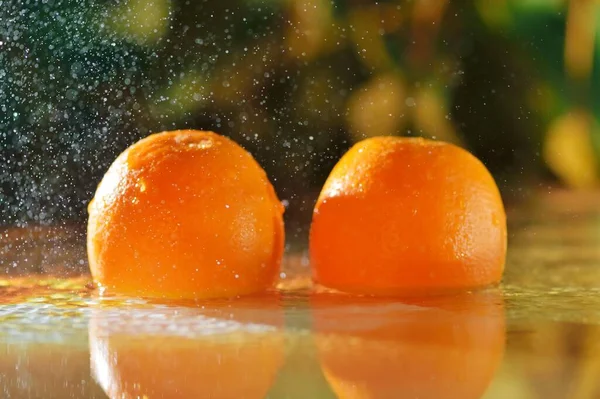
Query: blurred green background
x=296 y=82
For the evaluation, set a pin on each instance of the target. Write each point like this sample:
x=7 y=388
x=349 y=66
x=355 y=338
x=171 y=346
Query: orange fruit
x=406 y=215
x=186 y=352
x=185 y=214
x=447 y=347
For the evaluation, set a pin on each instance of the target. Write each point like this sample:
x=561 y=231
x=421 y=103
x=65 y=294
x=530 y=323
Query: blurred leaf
x=319 y=99
x=340 y=8
x=579 y=38
x=182 y=97
x=310 y=27
x=367 y=26
x=432 y=116
x=595 y=78
x=538 y=5
x=568 y=150
x=378 y=108
x=496 y=14
x=543 y=99
x=243 y=71
x=543 y=46
x=425 y=25
x=141 y=21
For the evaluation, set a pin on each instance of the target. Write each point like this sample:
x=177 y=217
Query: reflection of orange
x=164 y=356
x=401 y=214
x=185 y=214
x=435 y=348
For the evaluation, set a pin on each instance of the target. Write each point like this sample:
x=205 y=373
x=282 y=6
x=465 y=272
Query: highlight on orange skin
x=405 y=216
x=448 y=347
x=185 y=214
x=187 y=353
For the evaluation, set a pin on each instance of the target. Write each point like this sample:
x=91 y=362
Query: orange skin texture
x=185 y=214
x=370 y=348
x=405 y=216
x=129 y=363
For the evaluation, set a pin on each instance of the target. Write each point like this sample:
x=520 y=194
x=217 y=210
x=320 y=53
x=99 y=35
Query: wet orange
x=446 y=347
x=188 y=353
x=406 y=215
x=185 y=214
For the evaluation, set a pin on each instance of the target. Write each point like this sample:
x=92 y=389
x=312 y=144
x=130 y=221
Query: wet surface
x=535 y=336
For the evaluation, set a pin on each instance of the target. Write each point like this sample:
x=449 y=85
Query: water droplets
x=141 y=185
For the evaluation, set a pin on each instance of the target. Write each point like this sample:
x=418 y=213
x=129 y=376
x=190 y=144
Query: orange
x=406 y=215
x=187 y=352
x=185 y=214
x=446 y=347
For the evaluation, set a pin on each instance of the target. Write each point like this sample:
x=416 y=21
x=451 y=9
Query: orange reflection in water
x=444 y=347
x=215 y=352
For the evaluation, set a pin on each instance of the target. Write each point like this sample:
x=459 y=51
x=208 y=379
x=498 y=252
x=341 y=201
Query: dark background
x=296 y=83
